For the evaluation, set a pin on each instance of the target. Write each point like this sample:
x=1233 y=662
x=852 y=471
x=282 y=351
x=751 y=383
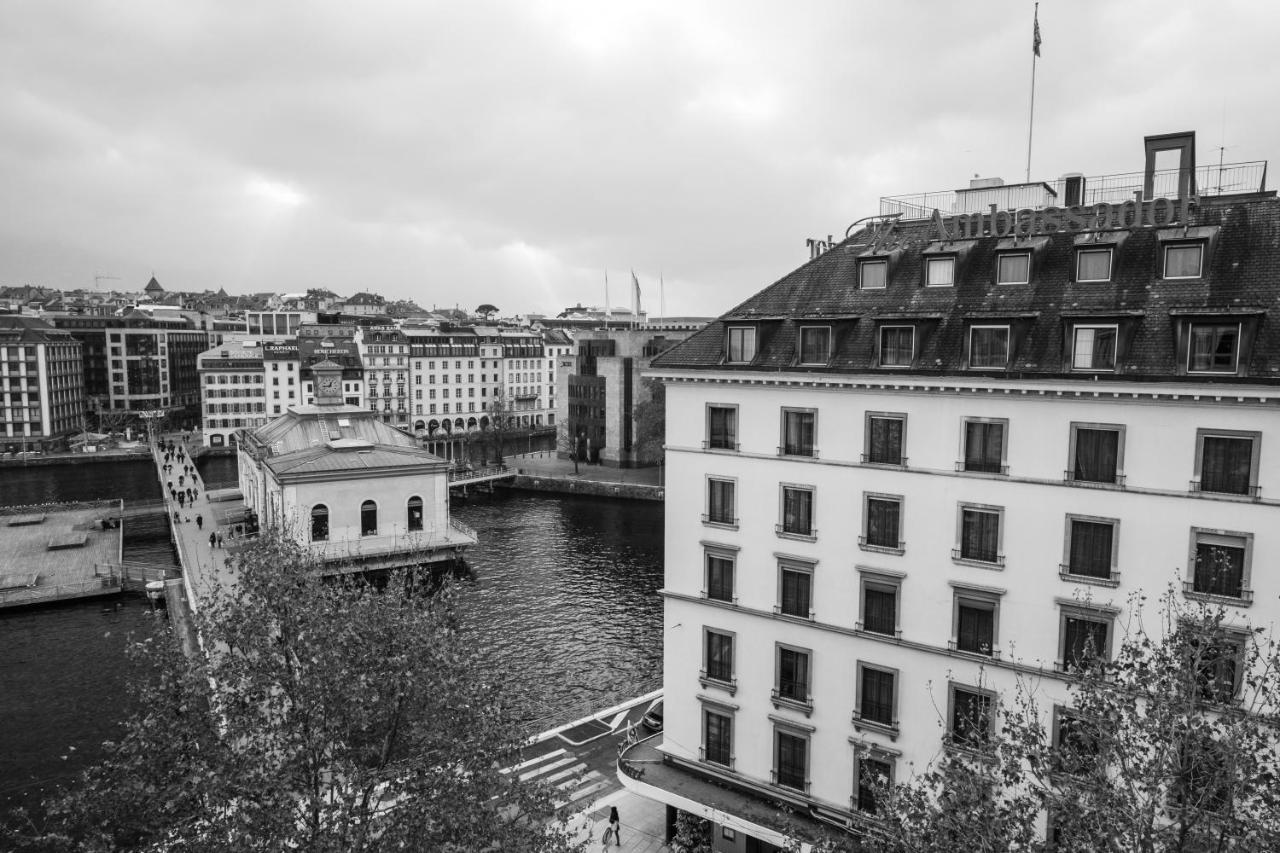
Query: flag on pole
x=1035 y=33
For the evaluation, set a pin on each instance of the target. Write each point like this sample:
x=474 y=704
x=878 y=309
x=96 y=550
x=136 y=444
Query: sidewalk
x=206 y=565
x=547 y=464
x=644 y=823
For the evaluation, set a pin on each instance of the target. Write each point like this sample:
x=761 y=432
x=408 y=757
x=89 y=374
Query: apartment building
x=944 y=453
x=384 y=349
x=463 y=378
x=282 y=367
x=41 y=385
x=136 y=362
x=233 y=391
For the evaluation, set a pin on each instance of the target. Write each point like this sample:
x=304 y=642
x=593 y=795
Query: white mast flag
x=635 y=296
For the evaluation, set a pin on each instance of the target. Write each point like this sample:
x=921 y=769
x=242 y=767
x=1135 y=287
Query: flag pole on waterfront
x=1035 y=54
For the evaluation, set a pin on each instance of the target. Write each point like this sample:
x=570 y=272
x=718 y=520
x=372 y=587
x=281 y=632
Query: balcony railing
x=1228 y=179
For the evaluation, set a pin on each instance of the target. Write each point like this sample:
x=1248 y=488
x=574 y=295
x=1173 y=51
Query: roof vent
x=985 y=183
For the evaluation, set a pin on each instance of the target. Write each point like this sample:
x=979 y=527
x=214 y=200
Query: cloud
x=513 y=152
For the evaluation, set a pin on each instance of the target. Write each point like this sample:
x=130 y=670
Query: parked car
x=652 y=719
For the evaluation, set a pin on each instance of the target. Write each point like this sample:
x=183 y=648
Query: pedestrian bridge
x=463 y=477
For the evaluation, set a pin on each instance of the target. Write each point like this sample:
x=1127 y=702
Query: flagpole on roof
x=1035 y=54
x=606 y=299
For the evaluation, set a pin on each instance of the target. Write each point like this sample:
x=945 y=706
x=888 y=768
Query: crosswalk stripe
x=581 y=793
x=574 y=771
x=532 y=761
x=547 y=768
x=590 y=775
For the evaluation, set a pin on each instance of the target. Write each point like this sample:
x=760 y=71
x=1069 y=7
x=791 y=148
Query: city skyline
x=516 y=153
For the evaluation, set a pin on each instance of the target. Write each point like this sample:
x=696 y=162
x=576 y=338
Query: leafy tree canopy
x=1170 y=746
x=326 y=716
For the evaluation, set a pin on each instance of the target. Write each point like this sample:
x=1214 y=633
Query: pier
x=56 y=552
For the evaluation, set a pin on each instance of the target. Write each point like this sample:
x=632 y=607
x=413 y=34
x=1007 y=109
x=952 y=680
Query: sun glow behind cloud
x=275 y=194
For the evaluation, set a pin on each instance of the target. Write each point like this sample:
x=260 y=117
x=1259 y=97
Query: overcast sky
x=512 y=152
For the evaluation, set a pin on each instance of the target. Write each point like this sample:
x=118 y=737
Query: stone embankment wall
x=629 y=491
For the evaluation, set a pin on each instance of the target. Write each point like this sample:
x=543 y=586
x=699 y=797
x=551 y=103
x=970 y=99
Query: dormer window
x=1213 y=347
x=989 y=346
x=873 y=274
x=940 y=271
x=1013 y=268
x=1094 y=347
x=1093 y=265
x=1184 y=260
x=742 y=344
x=897 y=346
x=815 y=344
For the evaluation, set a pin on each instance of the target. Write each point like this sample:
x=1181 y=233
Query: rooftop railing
x=1228 y=179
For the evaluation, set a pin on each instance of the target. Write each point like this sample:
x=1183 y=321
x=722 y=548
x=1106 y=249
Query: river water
x=565 y=589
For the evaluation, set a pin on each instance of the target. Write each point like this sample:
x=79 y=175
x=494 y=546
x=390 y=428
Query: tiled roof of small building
x=1242 y=279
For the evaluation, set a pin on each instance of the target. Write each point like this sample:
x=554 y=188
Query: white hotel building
x=935 y=458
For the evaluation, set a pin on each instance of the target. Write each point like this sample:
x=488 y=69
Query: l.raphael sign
x=1027 y=222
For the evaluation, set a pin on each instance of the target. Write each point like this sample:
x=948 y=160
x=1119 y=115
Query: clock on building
x=327 y=386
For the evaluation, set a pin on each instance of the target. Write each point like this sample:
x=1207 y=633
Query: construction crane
x=99 y=279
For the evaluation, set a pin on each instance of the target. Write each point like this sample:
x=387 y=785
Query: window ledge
x=1065 y=573
x=811 y=536
x=780 y=701
x=862 y=629
x=732 y=601
x=994 y=654
x=881 y=549
x=778 y=611
x=993 y=470
x=715 y=448
x=1243 y=600
x=784 y=454
x=860 y=723
x=722 y=525
x=730 y=687
x=981 y=753
x=1117 y=483
x=867 y=460
x=1251 y=493
x=961 y=560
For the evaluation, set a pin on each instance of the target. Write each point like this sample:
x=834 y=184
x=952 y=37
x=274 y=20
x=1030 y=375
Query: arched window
x=415 y=513
x=319 y=523
x=368 y=519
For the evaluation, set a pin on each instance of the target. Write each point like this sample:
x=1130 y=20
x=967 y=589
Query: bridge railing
x=464 y=475
x=35 y=594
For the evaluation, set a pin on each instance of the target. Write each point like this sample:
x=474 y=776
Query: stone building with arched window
x=357 y=492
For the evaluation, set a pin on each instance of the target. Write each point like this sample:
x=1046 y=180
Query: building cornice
x=1120 y=391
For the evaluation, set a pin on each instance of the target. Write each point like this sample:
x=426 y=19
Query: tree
x=568 y=444
x=651 y=423
x=1171 y=745
x=326 y=716
x=487 y=311
x=692 y=835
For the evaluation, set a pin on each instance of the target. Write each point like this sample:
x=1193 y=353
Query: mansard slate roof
x=30 y=330
x=1242 y=280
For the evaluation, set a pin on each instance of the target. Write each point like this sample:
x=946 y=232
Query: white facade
x=1156 y=518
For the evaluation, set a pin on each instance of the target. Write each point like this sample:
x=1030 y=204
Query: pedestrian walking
x=213 y=538
x=199 y=522
x=182 y=499
x=615 y=824
x=219 y=539
x=177 y=519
